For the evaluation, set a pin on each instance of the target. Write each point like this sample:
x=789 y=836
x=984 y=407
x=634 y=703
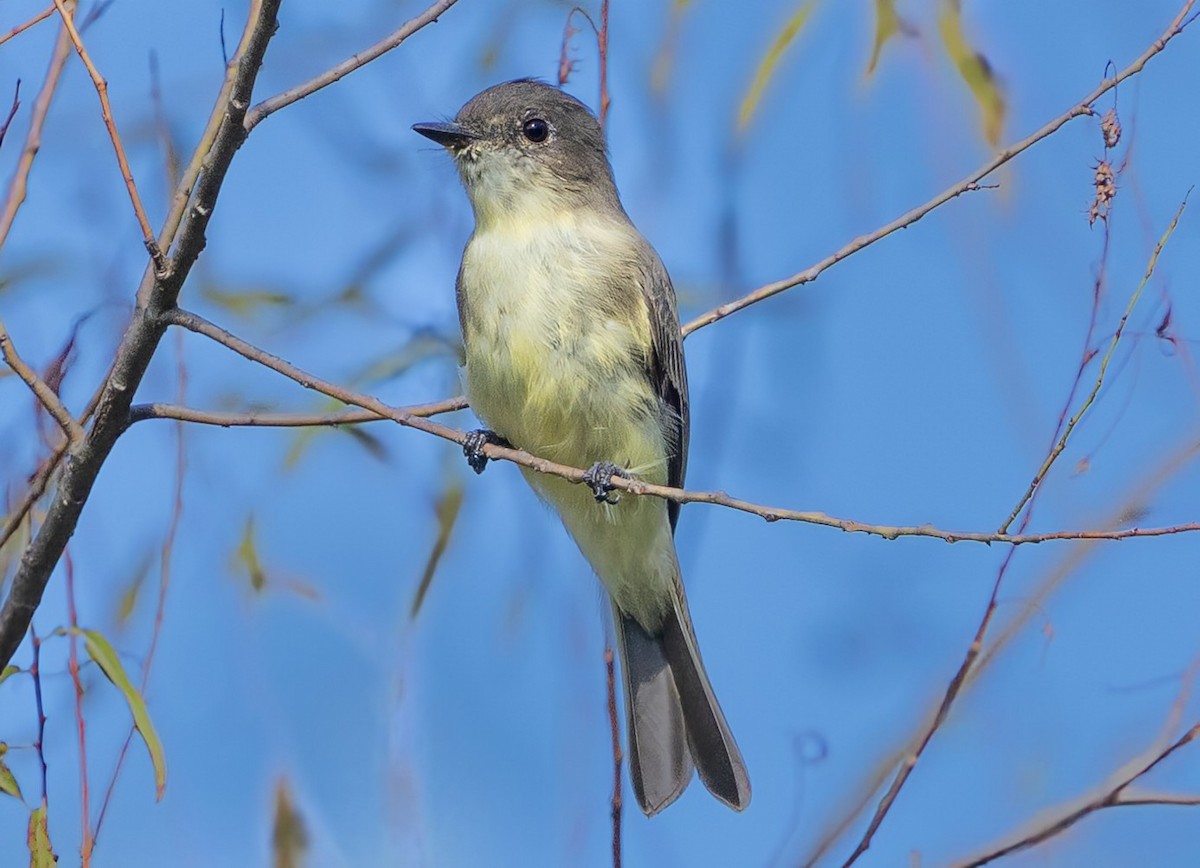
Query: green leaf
x=106 y=658
x=770 y=62
x=975 y=70
x=8 y=783
x=247 y=303
x=7 y=671
x=41 y=854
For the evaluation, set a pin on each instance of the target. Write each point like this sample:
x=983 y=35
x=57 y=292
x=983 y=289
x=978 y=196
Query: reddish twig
x=566 y=66
x=68 y=19
x=19 y=185
x=21 y=28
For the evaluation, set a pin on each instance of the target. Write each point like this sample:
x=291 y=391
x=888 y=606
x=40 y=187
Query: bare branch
x=43 y=392
x=66 y=10
x=407 y=417
x=140 y=412
x=362 y=58
x=33 y=137
x=21 y=28
x=159 y=291
x=971 y=182
x=1112 y=348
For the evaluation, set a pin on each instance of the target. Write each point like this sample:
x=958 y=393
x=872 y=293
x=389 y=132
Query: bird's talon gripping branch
x=473 y=447
x=599 y=477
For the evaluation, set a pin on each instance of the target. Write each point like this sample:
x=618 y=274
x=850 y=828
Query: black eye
x=536 y=130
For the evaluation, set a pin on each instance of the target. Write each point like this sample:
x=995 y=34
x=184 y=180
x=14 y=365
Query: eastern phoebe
x=573 y=353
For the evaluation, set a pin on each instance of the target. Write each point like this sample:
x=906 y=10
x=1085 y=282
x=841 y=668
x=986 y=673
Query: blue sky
x=918 y=381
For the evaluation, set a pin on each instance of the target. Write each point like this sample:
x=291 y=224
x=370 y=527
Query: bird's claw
x=599 y=478
x=473 y=447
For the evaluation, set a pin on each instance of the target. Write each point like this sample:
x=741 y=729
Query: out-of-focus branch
x=45 y=395
x=971 y=182
x=33 y=137
x=405 y=416
x=1112 y=793
x=347 y=66
x=159 y=291
x=66 y=9
x=21 y=28
x=140 y=412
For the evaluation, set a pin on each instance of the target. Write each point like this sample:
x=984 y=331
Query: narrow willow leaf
x=975 y=71
x=247 y=303
x=448 y=507
x=246 y=557
x=41 y=854
x=106 y=658
x=770 y=62
x=7 y=671
x=888 y=23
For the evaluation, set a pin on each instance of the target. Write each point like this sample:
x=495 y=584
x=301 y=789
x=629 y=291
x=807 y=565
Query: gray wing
x=667 y=371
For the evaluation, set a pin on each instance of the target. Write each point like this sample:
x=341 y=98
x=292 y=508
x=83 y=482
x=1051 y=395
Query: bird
x=573 y=353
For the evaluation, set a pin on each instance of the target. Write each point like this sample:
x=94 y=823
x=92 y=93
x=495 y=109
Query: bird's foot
x=599 y=478
x=473 y=447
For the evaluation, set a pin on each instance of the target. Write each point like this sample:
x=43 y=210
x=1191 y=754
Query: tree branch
x=141 y=412
x=42 y=391
x=300 y=91
x=971 y=182
x=407 y=417
x=159 y=291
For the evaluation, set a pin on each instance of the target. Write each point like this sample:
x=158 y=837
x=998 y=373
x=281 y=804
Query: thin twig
x=614 y=731
x=19 y=185
x=407 y=417
x=21 y=28
x=974 y=649
x=300 y=91
x=971 y=182
x=45 y=395
x=140 y=412
x=87 y=843
x=12 y=112
x=159 y=290
x=68 y=16
x=1112 y=347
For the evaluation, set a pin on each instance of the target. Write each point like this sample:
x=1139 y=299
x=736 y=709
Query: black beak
x=451 y=135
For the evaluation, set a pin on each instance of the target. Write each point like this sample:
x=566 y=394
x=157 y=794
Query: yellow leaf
x=887 y=24
x=247 y=556
x=767 y=66
x=8 y=783
x=975 y=70
x=448 y=506
x=289 y=836
x=41 y=854
x=106 y=658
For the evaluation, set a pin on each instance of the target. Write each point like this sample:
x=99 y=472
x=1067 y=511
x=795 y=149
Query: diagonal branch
x=39 y=387
x=66 y=9
x=159 y=291
x=300 y=91
x=413 y=417
x=967 y=184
